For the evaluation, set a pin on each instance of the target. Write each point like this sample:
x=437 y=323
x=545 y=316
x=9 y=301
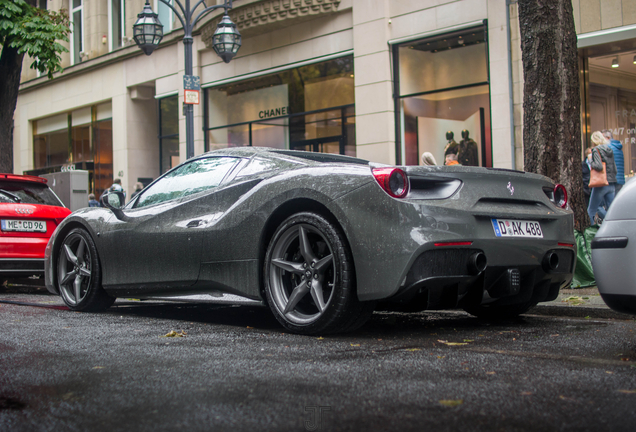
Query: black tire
x=306 y=247
x=496 y=312
x=79 y=277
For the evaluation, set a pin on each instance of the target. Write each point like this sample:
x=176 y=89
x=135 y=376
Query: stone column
x=375 y=125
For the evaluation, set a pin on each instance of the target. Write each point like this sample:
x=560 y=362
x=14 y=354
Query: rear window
x=27 y=193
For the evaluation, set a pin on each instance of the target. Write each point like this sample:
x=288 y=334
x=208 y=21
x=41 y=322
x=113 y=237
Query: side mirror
x=113 y=200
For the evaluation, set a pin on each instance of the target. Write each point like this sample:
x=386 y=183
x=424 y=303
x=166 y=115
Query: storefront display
x=80 y=139
x=307 y=108
x=444 y=93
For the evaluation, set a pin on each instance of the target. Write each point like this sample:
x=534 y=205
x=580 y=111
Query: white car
x=614 y=252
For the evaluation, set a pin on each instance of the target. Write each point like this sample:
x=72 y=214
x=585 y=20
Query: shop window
x=81 y=139
x=77 y=29
x=305 y=108
x=609 y=89
x=117 y=23
x=168 y=133
x=103 y=156
x=444 y=98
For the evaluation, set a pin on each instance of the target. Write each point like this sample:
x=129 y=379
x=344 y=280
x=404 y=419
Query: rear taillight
x=393 y=180
x=560 y=196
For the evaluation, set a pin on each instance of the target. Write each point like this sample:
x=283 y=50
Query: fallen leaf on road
x=175 y=334
x=320 y=338
x=413 y=349
x=355 y=345
x=491 y=373
x=627 y=391
x=451 y=343
x=565 y=398
x=451 y=402
x=575 y=300
x=98 y=367
x=526 y=393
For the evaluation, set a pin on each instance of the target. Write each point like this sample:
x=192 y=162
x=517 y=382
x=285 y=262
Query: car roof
x=23 y=178
x=285 y=154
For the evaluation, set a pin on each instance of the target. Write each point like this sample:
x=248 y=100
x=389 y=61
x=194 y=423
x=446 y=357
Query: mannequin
x=452 y=146
x=467 y=151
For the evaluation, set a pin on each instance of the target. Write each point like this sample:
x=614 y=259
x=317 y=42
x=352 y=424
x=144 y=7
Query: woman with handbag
x=602 y=177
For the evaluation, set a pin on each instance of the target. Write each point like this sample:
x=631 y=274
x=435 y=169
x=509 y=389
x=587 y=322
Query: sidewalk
x=582 y=302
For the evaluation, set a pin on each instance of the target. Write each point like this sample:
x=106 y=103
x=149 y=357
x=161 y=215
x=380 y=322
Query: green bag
x=584 y=273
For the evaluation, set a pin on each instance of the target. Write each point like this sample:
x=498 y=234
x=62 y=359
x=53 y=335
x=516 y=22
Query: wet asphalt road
x=235 y=369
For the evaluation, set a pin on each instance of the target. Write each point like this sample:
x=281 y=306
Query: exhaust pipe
x=477 y=263
x=550 y=262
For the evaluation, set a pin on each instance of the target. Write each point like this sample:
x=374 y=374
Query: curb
x=578 y=312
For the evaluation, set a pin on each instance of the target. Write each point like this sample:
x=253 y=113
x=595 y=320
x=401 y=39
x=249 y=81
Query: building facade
x=383 y=80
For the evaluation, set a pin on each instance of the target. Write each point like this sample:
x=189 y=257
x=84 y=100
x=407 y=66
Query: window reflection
x=191 y=178
x=309 y=107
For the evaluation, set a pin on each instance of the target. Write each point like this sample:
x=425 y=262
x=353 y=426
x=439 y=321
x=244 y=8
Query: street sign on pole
x=191 y=89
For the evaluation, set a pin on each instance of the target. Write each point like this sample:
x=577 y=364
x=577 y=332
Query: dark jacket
x=586 y=177
x=604 y=153
x=619 y=160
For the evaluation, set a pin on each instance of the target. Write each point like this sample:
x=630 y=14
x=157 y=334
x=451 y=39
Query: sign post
x=191 y=89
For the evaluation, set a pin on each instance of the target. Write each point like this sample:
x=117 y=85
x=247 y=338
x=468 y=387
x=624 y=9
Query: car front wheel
x=79 y=273
x=309 y=278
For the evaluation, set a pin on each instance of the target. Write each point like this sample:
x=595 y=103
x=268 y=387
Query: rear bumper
x=20 y=267
x=447 y=277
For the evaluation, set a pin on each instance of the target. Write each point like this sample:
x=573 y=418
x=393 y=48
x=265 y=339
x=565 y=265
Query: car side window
x=191 y=178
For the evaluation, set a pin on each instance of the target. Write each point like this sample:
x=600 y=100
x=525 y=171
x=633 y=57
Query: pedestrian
x=619 y=159
x=602 y=152
x=428 y=159
x=138 y=188
x=451 y=159
x=92 y=202
x=585 y=167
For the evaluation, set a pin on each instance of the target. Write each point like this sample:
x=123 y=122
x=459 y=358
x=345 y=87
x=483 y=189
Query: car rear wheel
x=309 y=278
x=79 y=273
x=496 y=312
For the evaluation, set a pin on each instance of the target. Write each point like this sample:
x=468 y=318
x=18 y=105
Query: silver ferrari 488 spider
x=322 y=240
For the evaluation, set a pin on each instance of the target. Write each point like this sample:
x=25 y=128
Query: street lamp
x=148 y=32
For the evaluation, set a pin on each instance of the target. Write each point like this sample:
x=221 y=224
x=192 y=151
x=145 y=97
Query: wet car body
x=614 y=252
x=434 y=248
x=29 y=214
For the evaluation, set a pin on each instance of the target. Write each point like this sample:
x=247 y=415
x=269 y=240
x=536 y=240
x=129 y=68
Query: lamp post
x=148 y=32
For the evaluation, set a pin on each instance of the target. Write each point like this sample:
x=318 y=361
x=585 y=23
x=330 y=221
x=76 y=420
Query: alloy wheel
x=74 y=269
x=302 y=274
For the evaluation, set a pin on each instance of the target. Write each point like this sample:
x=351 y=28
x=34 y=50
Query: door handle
x=194 y=223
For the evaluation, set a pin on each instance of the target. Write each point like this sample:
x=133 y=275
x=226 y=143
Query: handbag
x=598 y=178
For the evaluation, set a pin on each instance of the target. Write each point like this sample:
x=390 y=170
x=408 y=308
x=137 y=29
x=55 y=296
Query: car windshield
x=191 y=178
x=27 y=193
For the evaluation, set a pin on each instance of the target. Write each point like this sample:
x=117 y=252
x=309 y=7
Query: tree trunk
x=551 y=98
x=10 y=69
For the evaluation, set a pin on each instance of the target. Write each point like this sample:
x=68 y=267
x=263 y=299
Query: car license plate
x=23 y=225
x=517 y=228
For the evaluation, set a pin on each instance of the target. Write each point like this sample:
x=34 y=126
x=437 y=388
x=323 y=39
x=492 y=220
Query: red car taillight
x=560 y=196
x=393 y=180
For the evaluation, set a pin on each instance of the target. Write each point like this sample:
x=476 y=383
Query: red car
x=29 y=213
